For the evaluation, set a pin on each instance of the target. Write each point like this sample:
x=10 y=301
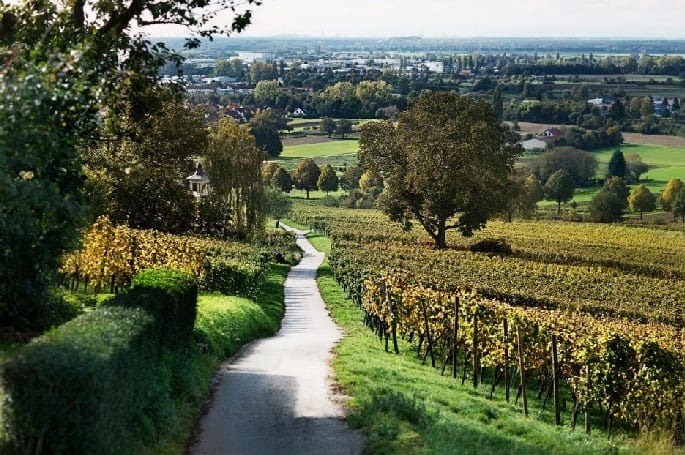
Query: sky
x=459 y=18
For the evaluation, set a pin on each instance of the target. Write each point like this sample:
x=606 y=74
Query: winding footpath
x=275 y=396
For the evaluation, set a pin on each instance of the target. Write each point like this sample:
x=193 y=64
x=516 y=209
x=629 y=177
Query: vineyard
x=589 y=312
x=111 y=255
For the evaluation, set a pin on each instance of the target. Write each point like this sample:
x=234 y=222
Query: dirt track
x=275 y=397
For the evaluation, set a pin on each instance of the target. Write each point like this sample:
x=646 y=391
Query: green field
x=337 y=153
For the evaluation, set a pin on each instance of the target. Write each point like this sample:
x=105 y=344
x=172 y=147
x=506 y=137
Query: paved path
x=275 y=396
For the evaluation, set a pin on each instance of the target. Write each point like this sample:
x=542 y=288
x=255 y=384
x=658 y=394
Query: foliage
x=635 y=167
x=580 y=166
x=606 y=207
x=231 y=68
x=327 y=125
x=233 y=277
x=140 y=179
x=40 y=180
x=497 y=103
x=617 y=186
x=678 y=206
x=78 y=388
x=234 y=167
x=262 y=71
x=349 y=180
x=111 y=256
x=265 y=125
x=642 y=200
x=617 y=165
x=559 y=188
x=328 y=179
x=266 y=93
x=447 y=156
x=171 y=298
x=343 y=126
x=668 y=196
x=306 y=176
x=278 y=204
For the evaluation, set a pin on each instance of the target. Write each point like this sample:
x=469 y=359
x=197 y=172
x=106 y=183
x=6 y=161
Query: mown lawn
x=332 y=148
x=406 y=407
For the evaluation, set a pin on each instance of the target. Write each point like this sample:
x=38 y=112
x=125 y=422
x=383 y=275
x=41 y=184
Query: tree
x=144 y=173
x=641 y=200
x=266 y=93
x=306 y=176
x=262 y=71
x=497 y=103
x=668 y=196
x=277 y=204
x=328 y=180
x=327 y=125
x=343 y=126
x=647 y=106
x=282 y=180
x=606 y=207
x=265 y=125
x=635 y=167
x=678 y=206
x=581 y=166
x=559 y=187
x=230 y=68
x=350 y=178
x=234 y=168
x=526 y=192
x=617 y=186
x=444 y=165
x=617 y=164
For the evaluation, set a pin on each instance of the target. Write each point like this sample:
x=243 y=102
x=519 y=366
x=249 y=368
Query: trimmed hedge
x=234 y=277
x=101 y=383
x=75 y=389
x=173 y=302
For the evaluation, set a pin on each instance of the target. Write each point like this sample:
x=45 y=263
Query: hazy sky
x=444 y=18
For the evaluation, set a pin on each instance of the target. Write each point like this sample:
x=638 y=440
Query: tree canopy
x=580 y=166
x=306 y=175
x=445 y=164
x=559 y=188
x=642 y=200
x=668 y=196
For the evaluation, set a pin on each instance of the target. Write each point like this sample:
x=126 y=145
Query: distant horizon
x=389 y=37
x=447 y=19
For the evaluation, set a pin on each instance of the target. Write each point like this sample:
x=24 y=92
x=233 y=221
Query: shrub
x=233 y=277
x=173 y=302
x=496 y=246
x=76 y=389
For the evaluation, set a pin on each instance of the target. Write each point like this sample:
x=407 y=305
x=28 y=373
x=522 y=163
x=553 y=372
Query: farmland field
x=337 y=153
x=596 y=288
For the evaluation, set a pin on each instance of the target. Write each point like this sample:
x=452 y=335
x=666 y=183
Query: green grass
x=332 y=148
x=665 y=163
x=406 y=407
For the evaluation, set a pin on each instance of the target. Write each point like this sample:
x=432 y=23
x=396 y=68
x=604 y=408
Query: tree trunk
x=307 y=190
x=440 y=242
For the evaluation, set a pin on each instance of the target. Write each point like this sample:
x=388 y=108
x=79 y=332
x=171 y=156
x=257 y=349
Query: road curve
x=274 y=397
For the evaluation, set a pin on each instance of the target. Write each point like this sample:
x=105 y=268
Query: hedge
x=234 y=277
x=70 y=390
x=97 y=383
x=173 y=302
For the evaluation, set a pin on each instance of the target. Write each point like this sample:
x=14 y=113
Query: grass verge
x=223 y=325
x=406 y=407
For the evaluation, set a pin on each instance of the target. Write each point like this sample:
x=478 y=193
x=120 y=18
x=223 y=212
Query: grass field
x=338 y=153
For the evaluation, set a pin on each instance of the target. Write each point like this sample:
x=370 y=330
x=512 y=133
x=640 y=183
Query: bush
x=77 y=389
x=495 y=246
x=233 y=277
x=173 y=302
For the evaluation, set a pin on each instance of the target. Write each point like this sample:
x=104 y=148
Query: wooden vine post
x=455 y=330
x=505 y=330
x=522 y=370
x=476 y=358
x=555 y=381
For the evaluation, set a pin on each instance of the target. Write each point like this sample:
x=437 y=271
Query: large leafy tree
x=641 y=200
x=306 y=175
x=581 y=166
x=233 y=164
x=559 y=188
x=328 y=179
x=265 y=125
x=673 y=187
x=446 y=164
x=617 y=164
